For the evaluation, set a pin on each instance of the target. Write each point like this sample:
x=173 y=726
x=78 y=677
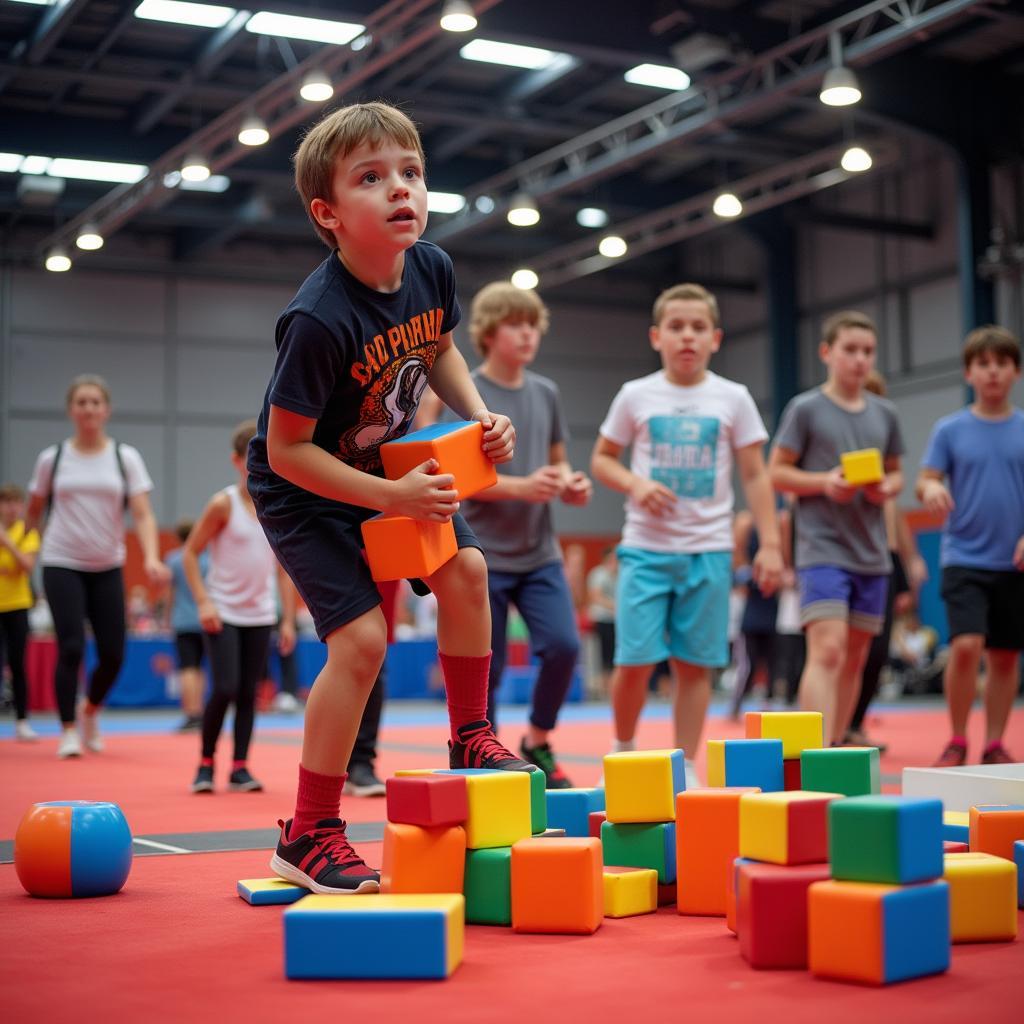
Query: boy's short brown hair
x=11 y=492
x=847 y=318
x=335 y=136
x=991 y=339
x=684 y=293
x=500 y=302
x=244 y=433
x=183 y=527
x=85 y=380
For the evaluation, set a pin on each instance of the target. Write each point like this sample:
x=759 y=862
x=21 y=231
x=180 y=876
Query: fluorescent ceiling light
x=856 y=159
x=445 y=202
x=253 y=131
x=591 y=217
x=523 y=212
x=316 y=87
x=316 y=30
x=484 y=204
x=458 y=16
x=10 y=163
x=57 y=260
x=525 y=279
x=180 y=13
x=509 y=54
x=96 y=170
x=658 y=76
x=839 y=88
x=89 y=238
x=35 y=164
x=612 y=246
x=727 y=205
x=38 y=3
x=214 y=183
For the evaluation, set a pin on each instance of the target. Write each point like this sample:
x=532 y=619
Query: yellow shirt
x=15 y=591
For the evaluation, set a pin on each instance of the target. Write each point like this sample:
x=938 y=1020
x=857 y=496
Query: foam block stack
x=851 y=771
x=570 y=809
x=746 y=763
x=798 y=730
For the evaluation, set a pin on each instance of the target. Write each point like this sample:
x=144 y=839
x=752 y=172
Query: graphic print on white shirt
x=683 y=454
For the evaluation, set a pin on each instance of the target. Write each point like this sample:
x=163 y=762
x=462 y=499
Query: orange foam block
x=423 y=860
x=707 y=843
x=995 y=828
x=457 y=448
x=557 y=886
x=399 y=548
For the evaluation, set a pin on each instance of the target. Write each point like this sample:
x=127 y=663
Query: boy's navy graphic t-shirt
x=355 y=360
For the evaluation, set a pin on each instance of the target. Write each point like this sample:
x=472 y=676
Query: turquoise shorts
x=673 y=605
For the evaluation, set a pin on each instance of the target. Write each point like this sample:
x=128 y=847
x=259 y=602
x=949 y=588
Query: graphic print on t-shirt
x=683 y=454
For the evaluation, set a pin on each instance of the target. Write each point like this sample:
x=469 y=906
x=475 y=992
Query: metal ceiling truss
x=758 y=87
x=391 y=32
x=758 y=192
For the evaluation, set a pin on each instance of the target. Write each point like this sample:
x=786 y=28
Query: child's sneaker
x=544 y=758
x=24 y=733
x=997 y=754
x=323 y=860
x=70 y=745
x=478 y=747
x=362 y=781
x=953 y=756
x=203 y=782
x=89 y=726
x=242 y=782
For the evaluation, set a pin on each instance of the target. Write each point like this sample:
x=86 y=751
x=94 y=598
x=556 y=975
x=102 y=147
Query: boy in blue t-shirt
x=365 y=334
x=973 y=469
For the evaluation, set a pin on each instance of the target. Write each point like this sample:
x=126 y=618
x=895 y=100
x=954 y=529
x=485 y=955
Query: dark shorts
x=987 y=602
x=831 y=592
x=320 y=546
x=190 y=649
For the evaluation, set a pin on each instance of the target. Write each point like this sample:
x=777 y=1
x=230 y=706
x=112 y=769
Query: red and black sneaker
x=996 y=753
x=544 y=758
x=953 y=756
x=478 y=747
x=323 y=861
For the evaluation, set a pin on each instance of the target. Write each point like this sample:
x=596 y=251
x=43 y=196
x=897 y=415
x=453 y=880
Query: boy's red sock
x=465 y=681
x=319 y=797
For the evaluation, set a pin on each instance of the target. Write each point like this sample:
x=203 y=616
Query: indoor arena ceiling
x=93 y=80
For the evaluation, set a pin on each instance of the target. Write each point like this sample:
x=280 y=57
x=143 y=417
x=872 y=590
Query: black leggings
x=13 y=638
x=760 y=653
x=73 y=596
x=238 y=659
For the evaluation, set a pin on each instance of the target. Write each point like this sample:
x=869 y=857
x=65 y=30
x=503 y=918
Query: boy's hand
x=422 y=494
x=837 y=488
x=208 y=617
x=878 y=494
x=577 y=489
x=542 y=485
x=286 y=638
x=1018 y=554
x=936 y=498
x=917 y=573
x=499 y=435
x=652 y=496
x=768 y=570
x=157 y=573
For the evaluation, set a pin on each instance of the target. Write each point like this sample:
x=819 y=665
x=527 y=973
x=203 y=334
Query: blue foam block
x=915 y=922
x=755 y=763
x=956 y=833
x=432 y=433
x=1018 y=859
x=570 y=809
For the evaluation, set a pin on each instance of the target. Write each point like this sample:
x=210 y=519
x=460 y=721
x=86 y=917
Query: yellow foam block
x=416 y=771
x=630 y=891
x=798 y=730
x=862 y=467
x=641 y=785
x=982 y=897
x=269 y=892
x=785 y=828
x=499 y=809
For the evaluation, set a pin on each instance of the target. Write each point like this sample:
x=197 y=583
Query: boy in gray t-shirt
x=842 y=555
x=512 y=520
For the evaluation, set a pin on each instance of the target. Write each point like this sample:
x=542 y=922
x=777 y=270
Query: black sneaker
x=478 y=747
x=204 y=780
x=362 y=781
x=242 y=782
x=192 y=723
x=323 y=861
x=544 y=758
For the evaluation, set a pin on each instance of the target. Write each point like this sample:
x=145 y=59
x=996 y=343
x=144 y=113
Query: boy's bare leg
x=463 y=605
x=961 y=678
x=1001 y=686
x=191 y=691
x=858 y=643
x=819 y=684
x=629 y=693
x=690 y=704
x=355 y=653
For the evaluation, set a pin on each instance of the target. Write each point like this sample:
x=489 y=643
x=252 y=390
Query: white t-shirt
x=684 y=438
x=85 y=529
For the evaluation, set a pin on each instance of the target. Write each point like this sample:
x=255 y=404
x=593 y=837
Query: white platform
x=961 y=788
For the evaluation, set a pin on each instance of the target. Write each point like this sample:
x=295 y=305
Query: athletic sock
x=465 y=683
x=206 y=762
x=319 y=797
x=621 y=746
x=959 y=740
x=992 y=745
x=236 y=765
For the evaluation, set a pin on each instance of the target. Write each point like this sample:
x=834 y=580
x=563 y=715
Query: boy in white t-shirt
x=686 y=426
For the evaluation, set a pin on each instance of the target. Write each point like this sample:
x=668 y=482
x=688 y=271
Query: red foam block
x=427 y=800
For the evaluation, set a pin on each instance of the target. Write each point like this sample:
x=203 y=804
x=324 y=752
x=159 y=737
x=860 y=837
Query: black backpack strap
x=120 y=466
x=53 y=476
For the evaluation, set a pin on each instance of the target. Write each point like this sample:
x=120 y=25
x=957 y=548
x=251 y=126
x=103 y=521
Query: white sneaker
x=70 y=745
x=89 y=726
x=692 y=778
x=286 y=703
x=24 y=733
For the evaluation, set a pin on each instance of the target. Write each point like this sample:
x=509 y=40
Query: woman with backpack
x=85 y=485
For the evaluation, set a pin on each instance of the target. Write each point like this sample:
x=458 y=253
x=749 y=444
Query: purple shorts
x=829 y=592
